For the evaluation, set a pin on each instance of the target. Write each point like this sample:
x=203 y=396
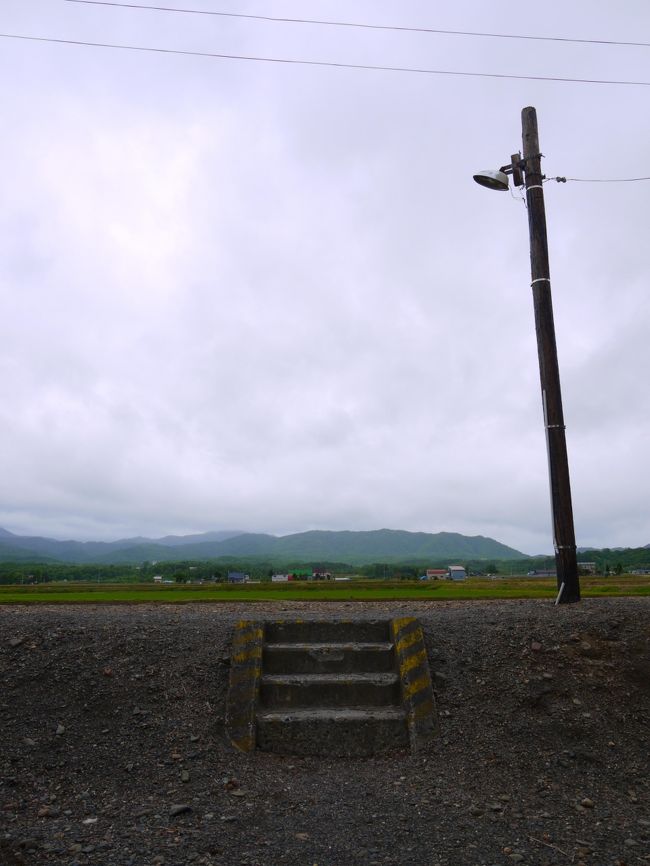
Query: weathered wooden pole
x=558 y=464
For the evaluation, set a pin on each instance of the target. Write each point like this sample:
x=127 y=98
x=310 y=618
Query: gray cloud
x=242 y=295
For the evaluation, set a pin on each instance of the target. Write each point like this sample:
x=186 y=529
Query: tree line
x=188 y=571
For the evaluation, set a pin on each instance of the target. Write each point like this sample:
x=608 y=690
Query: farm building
x=300 y=574
x=238 y=577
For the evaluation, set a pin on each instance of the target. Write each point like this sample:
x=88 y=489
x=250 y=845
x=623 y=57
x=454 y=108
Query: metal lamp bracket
x=515 y=168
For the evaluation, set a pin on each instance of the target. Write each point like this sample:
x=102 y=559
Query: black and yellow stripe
x=415 y=678
x=243 y=692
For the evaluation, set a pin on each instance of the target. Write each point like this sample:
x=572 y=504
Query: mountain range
x=382 y=545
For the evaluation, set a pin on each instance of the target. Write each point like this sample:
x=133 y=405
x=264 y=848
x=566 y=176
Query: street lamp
x=493 y=179
x=528 y=172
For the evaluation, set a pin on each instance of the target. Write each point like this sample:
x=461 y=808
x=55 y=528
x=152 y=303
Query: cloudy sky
x=270 y=297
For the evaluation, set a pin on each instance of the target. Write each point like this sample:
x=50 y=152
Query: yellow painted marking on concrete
x=248 y=636
x=408 y=641
x=413 y=661
x=244 y=683
x=416 y=686
x=247 y=649
x=399 y=624
x=425 y=709
x=248 y=655
x=246 y=625
x=243 y=640
x=246 y=640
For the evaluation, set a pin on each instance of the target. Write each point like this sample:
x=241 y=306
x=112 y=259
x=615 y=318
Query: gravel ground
x=114 y=753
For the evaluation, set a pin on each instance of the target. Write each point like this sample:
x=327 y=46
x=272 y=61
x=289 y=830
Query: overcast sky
x=271 y=297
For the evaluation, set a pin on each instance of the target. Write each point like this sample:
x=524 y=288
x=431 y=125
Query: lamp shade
x=492 y=179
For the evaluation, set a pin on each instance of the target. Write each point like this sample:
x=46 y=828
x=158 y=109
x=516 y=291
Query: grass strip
x=368 y=591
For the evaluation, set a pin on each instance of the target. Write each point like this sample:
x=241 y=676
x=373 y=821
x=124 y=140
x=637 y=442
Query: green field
x=357 y=590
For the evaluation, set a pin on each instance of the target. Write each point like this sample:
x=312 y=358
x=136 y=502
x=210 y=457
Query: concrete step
x=359 y=731
x=314 y=658
x=327 y=631
x=329 y=690
x=329 y=687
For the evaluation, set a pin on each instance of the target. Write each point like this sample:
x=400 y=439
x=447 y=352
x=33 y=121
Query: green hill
x=356 y=548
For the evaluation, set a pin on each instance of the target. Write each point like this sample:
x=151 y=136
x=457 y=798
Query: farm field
x=354 y=590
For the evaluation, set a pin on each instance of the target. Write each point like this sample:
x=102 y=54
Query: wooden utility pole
x=558 y=463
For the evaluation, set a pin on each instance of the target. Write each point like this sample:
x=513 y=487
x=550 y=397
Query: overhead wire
x=596 y=179
x=358 y=24
x=322 y=63
x=606 y=179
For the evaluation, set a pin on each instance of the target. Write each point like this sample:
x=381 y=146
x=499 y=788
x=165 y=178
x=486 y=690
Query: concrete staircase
x=329 y=687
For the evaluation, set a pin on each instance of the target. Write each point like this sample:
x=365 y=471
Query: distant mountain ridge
x=328 y=546
x=20 y=547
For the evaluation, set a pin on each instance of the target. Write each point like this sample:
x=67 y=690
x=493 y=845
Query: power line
x=323 y=63
x=595 y=179
x=360 y=25
x=606 y=180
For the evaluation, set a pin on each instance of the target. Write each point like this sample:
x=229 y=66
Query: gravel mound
x=113 y=747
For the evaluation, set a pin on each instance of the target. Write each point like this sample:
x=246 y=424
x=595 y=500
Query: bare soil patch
x=114 y=753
